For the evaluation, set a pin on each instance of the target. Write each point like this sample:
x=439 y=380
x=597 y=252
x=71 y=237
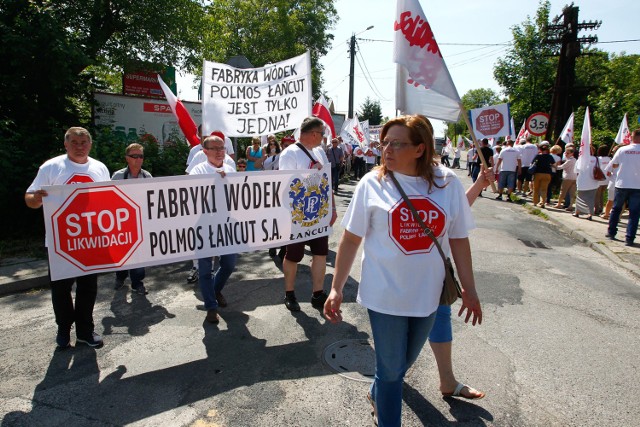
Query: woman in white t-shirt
x=402 y=271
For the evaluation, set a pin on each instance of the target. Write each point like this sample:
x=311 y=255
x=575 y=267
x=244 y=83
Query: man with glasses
x=307 y=154
x=72 y=168
x=134 y=155
x=211 y=285
x=336 y=157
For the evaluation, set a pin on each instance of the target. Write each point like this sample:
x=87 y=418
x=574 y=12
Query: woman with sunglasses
x=255 y=155
x=402 y=271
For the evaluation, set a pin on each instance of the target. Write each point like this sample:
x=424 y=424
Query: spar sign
x=97 y=228
x=491 y=122
x=406 y=232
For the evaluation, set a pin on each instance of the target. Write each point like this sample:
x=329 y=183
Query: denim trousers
x=398 y=341
x=137 y=275
x=210 y=283
x=631 y=196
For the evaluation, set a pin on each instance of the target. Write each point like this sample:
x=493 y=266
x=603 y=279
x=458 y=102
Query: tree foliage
x=370 y=110
x=528 y=70
x=268 y=31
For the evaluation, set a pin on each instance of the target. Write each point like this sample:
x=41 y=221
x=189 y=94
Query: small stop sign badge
x=407 y=233
x=97 y=228
x=489 y=122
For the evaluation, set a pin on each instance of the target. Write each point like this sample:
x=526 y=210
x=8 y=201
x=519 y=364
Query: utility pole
x=565 y=93
x=352 y=57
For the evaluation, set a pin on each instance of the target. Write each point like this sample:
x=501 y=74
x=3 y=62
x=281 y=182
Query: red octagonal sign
x=97 y=228
x=407 y=233
x=489 y=122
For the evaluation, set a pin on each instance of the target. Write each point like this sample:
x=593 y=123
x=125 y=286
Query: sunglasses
x=136 y=156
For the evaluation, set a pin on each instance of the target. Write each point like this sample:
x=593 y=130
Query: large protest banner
x=108 y=226
x=256 y=101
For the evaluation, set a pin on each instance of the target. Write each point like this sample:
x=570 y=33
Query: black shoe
x=222 y=301
x=94 y=340
x=140 y=290
x=63 y=338
x=610 y=236
x=628 y=243
x=499 y=197
x=318 y=302
x=212 y=316
x=272 y=252
x=292 y=303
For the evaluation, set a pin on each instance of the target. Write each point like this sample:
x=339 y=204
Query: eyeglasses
x=395 y=145
x=214 y=148
x=136 y=156
x=242 y=166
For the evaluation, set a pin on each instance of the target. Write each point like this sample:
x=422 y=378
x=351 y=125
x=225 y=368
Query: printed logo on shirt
x=309 y=199
x=407 y=233
x=79 y=178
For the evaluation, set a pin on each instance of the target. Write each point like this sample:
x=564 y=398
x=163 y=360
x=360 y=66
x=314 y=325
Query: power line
x=367 y=76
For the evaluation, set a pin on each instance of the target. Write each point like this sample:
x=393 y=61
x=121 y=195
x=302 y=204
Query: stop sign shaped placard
x=97 y=228
x=407 y=233
x=489 y=122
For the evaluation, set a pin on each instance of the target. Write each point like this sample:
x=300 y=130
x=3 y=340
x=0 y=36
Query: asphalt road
x=558 y=346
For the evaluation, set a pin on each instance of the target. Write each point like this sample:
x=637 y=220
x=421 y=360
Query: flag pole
x=463 y=111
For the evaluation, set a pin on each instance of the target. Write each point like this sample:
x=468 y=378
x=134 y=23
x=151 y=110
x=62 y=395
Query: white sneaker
x=192 y=277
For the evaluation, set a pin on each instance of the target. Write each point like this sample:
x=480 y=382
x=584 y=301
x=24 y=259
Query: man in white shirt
x=627 y=162
x=528 y=152
x=74 y=167
x=211 y=285
x=509 y=165
x=307 y=154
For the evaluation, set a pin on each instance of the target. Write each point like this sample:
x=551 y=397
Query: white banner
x=256 y=101
x=117 y=225
x=490 y=122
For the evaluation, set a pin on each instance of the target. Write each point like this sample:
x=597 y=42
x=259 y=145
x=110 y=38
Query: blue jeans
x=442 y=330
x=632 y=197
x=398 y=341
x=136 y=274
x=210 y=283
x=475 y=171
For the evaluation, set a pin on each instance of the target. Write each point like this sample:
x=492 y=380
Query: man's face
x=78 y=147
x=314 y=137
x=134 y=159
x=215 y=151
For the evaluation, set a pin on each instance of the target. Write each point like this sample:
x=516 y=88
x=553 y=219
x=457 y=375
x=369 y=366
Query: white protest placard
x=108 y=226
x=490 y=122
x=256 y=101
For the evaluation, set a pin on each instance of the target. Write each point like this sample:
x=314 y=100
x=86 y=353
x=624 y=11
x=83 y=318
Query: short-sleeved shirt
x=201 y=157
x=628 y=160
x=509 y=156
x=401 y=281
x=61 y=170
x=206 y=168
x=293 y=158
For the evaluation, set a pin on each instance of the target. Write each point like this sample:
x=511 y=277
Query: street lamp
x=352 y=54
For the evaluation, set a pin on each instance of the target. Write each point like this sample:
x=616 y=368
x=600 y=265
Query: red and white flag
x=423 y=83
x=567 y=133
x=186 y=123
x=460 y=143
x=584 y=159
x=524 y=133
x=624 y=136
x=321 y=111
x=353 y=132
x=492 y=142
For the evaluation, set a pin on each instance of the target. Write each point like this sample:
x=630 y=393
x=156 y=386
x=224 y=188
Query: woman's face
x=400 y=155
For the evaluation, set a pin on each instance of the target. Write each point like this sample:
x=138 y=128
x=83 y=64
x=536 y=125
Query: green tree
x=268 y=31
x=528 y=70
x=370 y=110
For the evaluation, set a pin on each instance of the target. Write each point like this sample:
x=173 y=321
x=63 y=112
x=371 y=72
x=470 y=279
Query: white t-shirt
x=405 y=282
x=371 y=159
x=293 y=158
x=61 y=170
x=628 y=160
x=529 y=152
x=585 y=179
x=201 y=157
x=509 y=156
x=604 y=162
x=205 y=168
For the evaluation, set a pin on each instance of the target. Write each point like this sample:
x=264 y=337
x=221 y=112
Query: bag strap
x=417 y=217
x=303 y=148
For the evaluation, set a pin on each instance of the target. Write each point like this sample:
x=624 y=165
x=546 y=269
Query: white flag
x=583 y=161
x=524 y=133
x=423 y=83
x=624 y=136
x=567 y=133
x=353 y=133
x=460 y=143
x=512 y=131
